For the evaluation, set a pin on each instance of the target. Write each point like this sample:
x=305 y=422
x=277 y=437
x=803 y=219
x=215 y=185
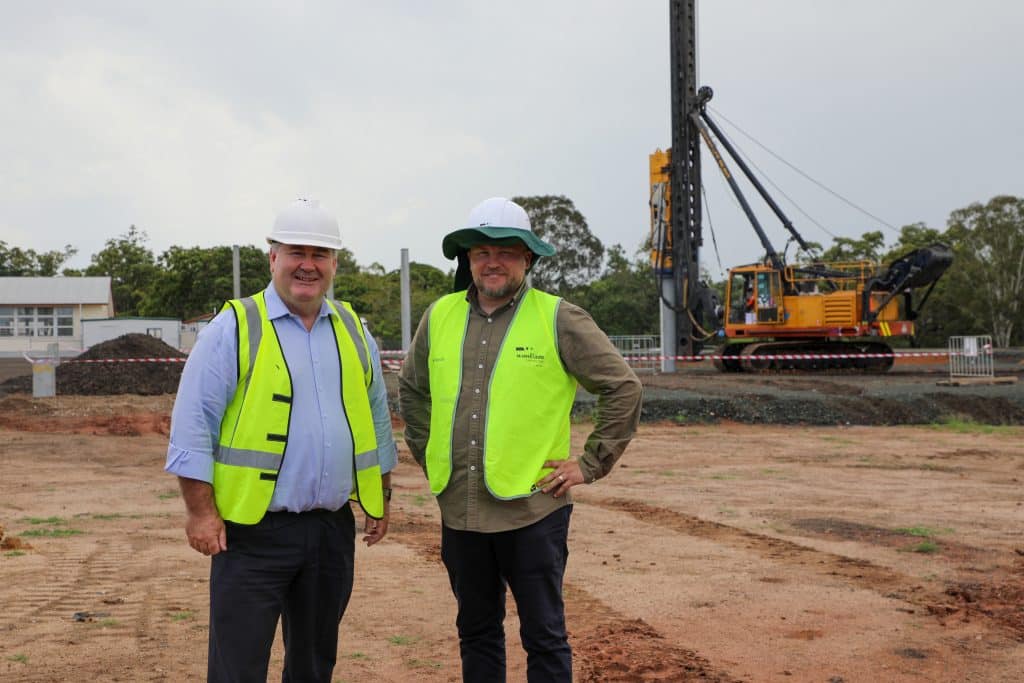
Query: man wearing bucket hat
x=281 y=419
x=486 y=392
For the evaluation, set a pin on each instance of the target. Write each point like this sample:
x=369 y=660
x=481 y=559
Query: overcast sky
x=197 y=121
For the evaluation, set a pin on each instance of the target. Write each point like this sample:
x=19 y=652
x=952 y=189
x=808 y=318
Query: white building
x=38 y=311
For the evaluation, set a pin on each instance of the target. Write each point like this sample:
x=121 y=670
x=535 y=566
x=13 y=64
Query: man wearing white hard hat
x=280 y=422
x=486 y=392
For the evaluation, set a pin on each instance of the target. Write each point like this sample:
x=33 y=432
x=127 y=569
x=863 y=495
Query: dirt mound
x=130 y=364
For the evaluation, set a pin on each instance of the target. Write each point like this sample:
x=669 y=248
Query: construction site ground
x=759 y=528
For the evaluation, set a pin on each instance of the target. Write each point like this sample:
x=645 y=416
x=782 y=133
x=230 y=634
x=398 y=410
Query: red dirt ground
x=725 y=552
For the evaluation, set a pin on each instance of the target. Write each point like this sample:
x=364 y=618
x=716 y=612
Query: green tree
x=624 y=300
x=376 y=295
x=942 y=313
x=579 y=255
x=130 y=266
x=869 y=247
x=989 y=267
x=197 y=280
x=16 y=261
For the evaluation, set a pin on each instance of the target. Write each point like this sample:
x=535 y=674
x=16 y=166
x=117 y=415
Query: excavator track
x=806 y=356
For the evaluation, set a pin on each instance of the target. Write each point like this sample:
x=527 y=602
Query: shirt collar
x=277 y=309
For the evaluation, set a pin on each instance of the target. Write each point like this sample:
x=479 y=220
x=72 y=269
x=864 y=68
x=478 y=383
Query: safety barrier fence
x=970 y=357
x=395 y=358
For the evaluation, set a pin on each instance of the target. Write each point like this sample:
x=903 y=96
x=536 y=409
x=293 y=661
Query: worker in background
x=280 y=420
x=486 y=392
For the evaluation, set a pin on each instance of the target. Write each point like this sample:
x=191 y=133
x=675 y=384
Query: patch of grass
x=20 y=658
x=691 y=420
x=419 y=500
x=401 y=640
x=922 y=531
x=958 y=425
x=666 y=473
x=773 y=472
x=14 y=553
x=107 y=623
x=358 y=655
x=183 y=615
x=168 y=495
x=108 y=517
x=422 y=664
x=45 y=520
x=926 y=547
x=723 y=476
x=52 y=533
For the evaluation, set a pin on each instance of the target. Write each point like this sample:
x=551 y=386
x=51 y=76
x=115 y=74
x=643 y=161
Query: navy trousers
x=294 y=566
x=531 y=562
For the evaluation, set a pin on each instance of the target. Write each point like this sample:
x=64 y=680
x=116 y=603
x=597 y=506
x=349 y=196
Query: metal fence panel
x=970 y=357
x=641 y=351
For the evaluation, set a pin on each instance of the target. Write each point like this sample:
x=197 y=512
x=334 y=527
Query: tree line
x=981 y=293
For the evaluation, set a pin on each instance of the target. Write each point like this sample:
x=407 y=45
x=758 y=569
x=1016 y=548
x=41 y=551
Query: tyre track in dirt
x=106 y=589
x=82 y=586
x=996 y=601
x=607 y=646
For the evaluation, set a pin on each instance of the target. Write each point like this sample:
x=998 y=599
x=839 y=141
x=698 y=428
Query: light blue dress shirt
x=317 y=468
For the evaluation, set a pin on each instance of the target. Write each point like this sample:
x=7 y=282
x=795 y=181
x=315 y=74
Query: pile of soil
x=131 y=372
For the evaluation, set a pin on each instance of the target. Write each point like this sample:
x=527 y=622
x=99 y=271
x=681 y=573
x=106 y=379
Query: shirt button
x=472 y=468
x=476 y=391
x=490 y=320
x=474 y=416
x=472 y=442
x=484 y=341
x=481 y=366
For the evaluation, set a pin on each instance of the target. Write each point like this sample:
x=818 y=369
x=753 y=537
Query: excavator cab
x=754 y=296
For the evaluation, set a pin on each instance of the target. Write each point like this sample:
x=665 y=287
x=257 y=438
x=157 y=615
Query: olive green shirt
x=586 y=353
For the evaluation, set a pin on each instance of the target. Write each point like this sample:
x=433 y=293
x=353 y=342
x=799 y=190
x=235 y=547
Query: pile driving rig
x=806 y=316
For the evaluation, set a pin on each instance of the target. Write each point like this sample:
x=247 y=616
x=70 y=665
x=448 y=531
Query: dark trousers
x=294 y=566
x=531 y=562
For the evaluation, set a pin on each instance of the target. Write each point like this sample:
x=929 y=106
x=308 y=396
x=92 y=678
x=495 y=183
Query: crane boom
x=776 y=316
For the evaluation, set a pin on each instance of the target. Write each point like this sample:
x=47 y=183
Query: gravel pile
x=78 y=377
x=764 y=409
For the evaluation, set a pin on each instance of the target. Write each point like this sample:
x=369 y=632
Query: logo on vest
x=529 y=355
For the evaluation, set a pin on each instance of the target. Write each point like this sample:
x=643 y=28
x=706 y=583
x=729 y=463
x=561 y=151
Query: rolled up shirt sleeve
x=207 y=383
x=589 y=356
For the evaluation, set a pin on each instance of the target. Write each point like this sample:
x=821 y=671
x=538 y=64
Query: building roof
x=54 y=291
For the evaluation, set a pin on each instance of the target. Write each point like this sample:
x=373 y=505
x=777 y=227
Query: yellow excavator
x=775 y=316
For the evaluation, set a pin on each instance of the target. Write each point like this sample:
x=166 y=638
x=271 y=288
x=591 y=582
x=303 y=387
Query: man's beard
x=508 y=289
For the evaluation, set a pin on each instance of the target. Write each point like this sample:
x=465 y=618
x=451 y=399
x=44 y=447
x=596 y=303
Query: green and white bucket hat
x=495 y=220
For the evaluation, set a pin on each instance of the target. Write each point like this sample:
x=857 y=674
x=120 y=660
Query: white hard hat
x=305 y=222
x=498 y=212
x=496 y=218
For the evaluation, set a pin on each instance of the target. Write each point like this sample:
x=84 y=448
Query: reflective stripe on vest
x=529 y=396
x=254 y=429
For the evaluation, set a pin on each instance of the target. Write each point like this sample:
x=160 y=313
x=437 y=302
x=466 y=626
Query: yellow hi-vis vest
x=254 y=429
x=529 y=396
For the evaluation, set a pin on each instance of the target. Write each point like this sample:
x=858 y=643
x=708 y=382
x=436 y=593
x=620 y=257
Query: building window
x=37 y=321
x=6 y=321
x=65 y=321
